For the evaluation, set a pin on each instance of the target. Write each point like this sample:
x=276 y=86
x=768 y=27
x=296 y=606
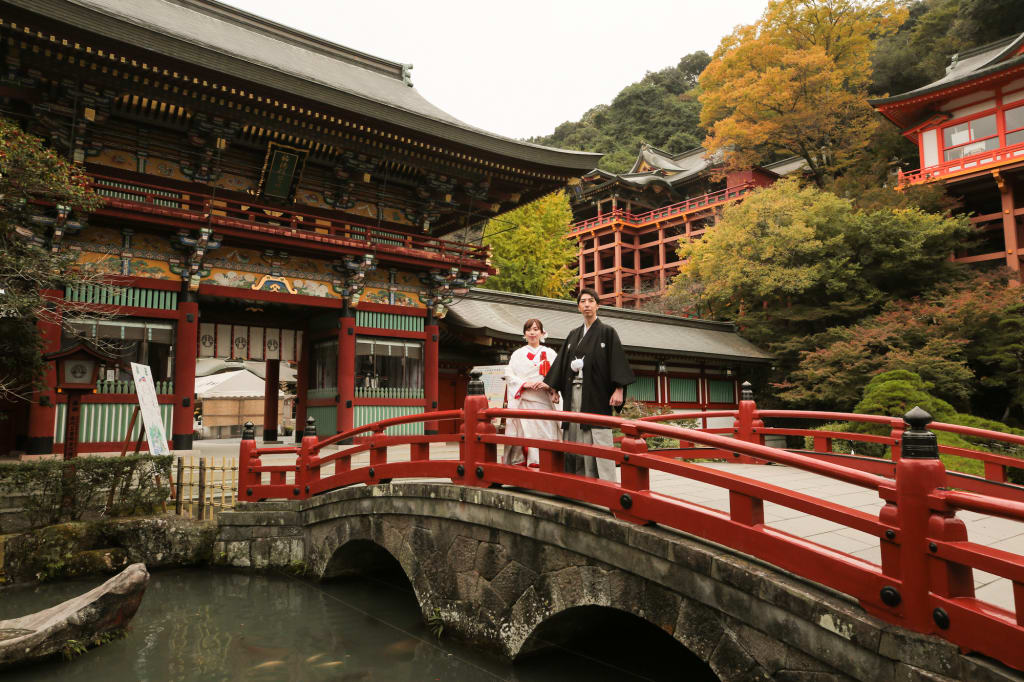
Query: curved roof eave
x=260 y=55
x=985 y=65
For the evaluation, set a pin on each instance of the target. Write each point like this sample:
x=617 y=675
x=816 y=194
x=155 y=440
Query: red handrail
x=985 y=160
x=924 y=581
x=686 y=206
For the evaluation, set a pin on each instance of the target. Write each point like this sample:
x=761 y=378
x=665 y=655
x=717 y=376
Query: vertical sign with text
x=150 y=408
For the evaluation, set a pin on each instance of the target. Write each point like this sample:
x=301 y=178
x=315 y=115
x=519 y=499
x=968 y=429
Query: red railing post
x=633 y=478
x=896 y=448
x=475 y=453
x=248 y=480
x=918 y=473
x=747 y=426
x=305 y=474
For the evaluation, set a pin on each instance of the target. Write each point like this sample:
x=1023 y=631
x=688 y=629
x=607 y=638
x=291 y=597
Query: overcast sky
x=522 y=67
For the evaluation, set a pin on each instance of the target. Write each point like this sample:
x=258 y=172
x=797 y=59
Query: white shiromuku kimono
x=526 y=365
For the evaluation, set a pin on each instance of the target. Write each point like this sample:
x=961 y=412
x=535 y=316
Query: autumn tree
x=34 y=182
x=795 y=83
x=530 y=249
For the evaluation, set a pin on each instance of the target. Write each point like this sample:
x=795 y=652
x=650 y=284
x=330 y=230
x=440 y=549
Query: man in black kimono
x=592 y=373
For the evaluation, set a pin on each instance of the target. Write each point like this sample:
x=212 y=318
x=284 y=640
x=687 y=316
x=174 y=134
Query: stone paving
x=988 y=530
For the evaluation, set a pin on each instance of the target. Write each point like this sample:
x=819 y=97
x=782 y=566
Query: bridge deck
x=991 y=531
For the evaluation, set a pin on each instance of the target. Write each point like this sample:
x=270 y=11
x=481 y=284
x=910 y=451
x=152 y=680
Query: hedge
x=55 y=491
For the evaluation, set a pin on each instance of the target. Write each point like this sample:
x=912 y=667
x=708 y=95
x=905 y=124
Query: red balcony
x=155 y=203
x=989 y=160
x=700 y=203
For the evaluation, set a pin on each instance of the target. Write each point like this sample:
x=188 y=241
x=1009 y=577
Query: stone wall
x=81 y=548
x=495 y=565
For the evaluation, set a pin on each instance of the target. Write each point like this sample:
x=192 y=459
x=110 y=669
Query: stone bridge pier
x=512 y=571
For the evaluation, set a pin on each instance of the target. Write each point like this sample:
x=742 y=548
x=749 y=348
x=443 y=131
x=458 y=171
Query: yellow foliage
x=796 y=83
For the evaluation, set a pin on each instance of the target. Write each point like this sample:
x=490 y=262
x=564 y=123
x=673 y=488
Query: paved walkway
x=987 y=530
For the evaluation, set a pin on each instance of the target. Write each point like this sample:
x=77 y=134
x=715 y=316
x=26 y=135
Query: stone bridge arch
x=496 y=565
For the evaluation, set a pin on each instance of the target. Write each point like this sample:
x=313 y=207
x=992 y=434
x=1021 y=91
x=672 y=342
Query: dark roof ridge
x=605 y=311
x=972 y=51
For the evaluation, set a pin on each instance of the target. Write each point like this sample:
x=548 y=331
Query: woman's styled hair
x=532 y=321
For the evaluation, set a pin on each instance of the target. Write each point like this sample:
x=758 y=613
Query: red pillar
x=271 y=388
x=301 y=387
x=185 y=351
x=1009 y=227
x=430 y=347
x=42 y=412
x=346 y=372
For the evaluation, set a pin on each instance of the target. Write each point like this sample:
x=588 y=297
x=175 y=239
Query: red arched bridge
x=924 y=581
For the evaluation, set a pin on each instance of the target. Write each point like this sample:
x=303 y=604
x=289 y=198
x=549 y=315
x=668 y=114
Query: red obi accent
x=545 y=366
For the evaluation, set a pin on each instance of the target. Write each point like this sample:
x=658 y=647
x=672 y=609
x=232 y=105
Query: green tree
x=795 y=83
x=33 y=180
x=963 y=339
x=661 y=109
x=791 y=261
x=530 y=249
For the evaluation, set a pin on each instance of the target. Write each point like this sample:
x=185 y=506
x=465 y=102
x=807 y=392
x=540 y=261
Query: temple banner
x=242 y=342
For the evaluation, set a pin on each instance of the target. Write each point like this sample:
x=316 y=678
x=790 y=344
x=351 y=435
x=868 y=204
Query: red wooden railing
x=985 y=161
x=924 y=581
x=224 y=212
x=689 y=205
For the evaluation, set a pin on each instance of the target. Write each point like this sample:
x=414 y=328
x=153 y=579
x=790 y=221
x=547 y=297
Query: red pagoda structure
x=269 y=196
x=629 y=226
x=969 y=129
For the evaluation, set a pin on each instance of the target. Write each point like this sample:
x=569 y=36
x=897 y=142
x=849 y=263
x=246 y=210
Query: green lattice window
x=721 y=391
x=682 y=390
x=644 y=388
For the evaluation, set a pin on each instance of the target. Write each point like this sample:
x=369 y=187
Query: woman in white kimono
x=526 y=391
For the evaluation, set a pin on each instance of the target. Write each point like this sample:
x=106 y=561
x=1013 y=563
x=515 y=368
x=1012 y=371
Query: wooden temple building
x=273 y=197
x=629 y=226
x=969 y=129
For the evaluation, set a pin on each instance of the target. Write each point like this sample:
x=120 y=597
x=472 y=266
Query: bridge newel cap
x=310 y=426
x=476 y=385
x=747 y=391
x=918 y=442
x=249 y=431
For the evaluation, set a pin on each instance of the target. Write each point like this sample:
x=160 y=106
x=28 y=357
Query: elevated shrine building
x=269 y=196
x=629 y=226
x=969 y=129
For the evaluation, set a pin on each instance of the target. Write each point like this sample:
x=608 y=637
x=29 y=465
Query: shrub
x=59 y=490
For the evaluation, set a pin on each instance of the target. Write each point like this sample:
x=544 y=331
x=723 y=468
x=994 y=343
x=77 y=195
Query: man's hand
x=616 y=399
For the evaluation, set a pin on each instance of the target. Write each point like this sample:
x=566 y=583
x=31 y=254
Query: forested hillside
x=662 y=109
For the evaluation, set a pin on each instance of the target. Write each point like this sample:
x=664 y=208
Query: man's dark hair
x=587 y=290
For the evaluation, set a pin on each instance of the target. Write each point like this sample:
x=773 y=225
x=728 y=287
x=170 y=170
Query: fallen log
x=72 y=626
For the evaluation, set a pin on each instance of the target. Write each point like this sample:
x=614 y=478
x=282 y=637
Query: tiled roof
x=502 y=314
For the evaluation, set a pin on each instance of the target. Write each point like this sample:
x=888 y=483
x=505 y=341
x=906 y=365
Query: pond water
x=215 y=625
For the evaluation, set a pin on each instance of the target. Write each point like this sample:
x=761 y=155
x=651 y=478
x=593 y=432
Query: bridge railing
x=924 y=580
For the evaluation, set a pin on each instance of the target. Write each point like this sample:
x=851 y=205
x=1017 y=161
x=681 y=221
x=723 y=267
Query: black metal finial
x=310 y=427
x=248 y=431
x=476 y=385
x=746 y=391
x=919 y=442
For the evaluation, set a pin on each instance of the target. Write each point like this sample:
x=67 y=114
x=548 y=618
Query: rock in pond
x=76 y=623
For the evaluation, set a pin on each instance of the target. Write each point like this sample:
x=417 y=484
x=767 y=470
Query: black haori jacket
x=604 y=368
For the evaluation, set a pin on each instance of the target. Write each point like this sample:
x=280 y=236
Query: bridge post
x=474 y=452
x=910 y=554
x=633 y=478
x=747 y=426
x=247 y=458
x=304 y=473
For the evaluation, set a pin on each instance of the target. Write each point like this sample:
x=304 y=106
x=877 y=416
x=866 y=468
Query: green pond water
x=214 y=625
